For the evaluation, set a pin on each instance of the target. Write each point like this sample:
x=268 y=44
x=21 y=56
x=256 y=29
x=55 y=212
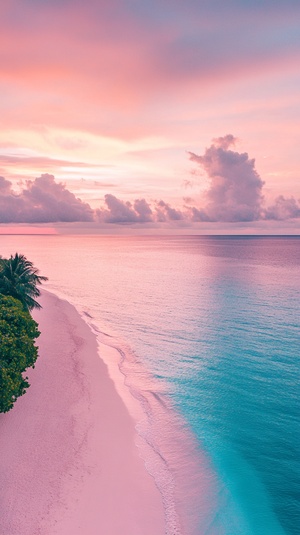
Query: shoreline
x=68 y=459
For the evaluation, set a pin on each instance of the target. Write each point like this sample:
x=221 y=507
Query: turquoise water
x=239 y=386
x=215 y=320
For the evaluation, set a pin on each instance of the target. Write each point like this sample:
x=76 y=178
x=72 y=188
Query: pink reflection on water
x=26 y=230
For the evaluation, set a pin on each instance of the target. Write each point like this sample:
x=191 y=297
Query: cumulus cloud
x=235 y=190
x=164 y=212
x=42 y=201
x=196 y=214
x=224 y=142
x=283 y=208
x=5 y=186
x=140 y=211
x=143 y=210
x=234 y=194
x=118 y=211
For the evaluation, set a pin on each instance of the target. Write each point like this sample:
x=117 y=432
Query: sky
x=141 y=113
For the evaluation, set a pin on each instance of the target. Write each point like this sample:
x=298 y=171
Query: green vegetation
x=19 y=279
x=18 y=331
x=17 y=351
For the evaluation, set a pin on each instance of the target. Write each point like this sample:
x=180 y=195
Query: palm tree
x=19 y=279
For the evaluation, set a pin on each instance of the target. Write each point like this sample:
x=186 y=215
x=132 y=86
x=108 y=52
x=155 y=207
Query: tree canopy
x=18 y=351
x=19 y=279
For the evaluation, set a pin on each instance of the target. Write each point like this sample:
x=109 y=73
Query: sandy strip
x=68 y=461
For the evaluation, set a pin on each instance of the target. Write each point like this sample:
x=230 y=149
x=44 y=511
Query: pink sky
x=110 y=97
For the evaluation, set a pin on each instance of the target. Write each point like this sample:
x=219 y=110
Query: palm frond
x=19 y=278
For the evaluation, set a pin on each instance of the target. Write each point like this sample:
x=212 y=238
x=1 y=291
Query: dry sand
x=68 y=460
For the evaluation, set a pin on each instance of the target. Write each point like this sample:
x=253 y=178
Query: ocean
x=207 y=330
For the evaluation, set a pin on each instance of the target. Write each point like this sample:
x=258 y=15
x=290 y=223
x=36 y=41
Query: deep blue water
x=216 y=321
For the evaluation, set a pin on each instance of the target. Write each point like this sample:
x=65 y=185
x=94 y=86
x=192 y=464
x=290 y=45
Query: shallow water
x=210 y=327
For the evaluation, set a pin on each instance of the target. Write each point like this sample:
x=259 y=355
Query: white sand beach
x=68 y=460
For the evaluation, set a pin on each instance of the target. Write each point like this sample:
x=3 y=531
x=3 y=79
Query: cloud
x=125 y=52
x=235 y=190
x=143 y=210
x=188 y=183
x=118 y=211
x=42 y=201
x=164 y=212
x=140 y=211
x=5 y=186
x=224 y=142
x=283 y=209
x=41 y=162
x=234 y=195
x=196 y=214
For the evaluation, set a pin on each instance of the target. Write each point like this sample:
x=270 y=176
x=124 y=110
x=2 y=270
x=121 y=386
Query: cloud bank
x=42 y=201
x=235 y=194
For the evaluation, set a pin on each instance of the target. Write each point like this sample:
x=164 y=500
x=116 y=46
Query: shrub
x=18 y=351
